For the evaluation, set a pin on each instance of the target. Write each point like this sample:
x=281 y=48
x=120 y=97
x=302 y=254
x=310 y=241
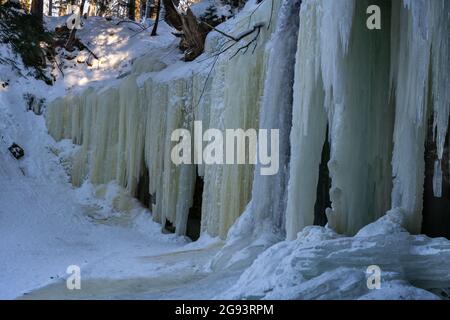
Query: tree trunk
x=172 y=16
x=71 y=41
x=137 y=10
x=83 y=3
x=101 y=9
x=73 y=32
x=193 y=34
x=132 y=10
x=37 y=8
x=50 y=7
x=92 y=8
x=147 y=9
x=158 y=10
x=25 y=5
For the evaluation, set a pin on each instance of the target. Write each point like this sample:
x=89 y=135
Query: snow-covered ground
x=116 y=43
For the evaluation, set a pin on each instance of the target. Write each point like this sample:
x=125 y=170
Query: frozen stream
x=185 y=284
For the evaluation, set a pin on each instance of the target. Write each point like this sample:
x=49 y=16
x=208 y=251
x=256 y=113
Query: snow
x=320 y=264
x=119 y=45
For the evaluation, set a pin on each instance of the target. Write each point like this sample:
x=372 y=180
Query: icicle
x=309 y=122
x=437 y=179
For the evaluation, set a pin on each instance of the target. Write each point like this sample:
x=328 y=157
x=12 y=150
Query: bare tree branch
x=130 y=21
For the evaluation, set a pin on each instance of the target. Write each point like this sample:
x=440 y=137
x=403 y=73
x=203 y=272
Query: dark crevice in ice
x=195 y=212
x=323 y=187
x=436 y=210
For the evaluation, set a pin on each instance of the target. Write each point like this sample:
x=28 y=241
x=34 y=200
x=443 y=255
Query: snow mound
x=321 y=264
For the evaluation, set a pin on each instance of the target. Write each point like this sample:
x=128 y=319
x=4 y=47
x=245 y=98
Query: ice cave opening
x=436 y=195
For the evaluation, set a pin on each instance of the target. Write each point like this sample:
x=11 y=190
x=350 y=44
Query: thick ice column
x=266 y=212
x=362 y=127
x=262 y=223
x=55 y=118
x=342 y=75
x=103 y=150
x=63 y=118
x=213 y=173
x=167 y=106
x=309 y=123
x=420 y=69
x=269 y=195
x=132 y=125
x=80 y=169
x=156 y=97
x=178 y=181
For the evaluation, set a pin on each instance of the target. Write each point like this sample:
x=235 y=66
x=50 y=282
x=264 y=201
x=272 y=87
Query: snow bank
x=320 y=264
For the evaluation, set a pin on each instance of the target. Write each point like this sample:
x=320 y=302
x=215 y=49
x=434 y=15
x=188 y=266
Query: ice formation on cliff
x=126 y=128
x=420 y=70
x=262 y=223
x=372 y=90
x=342 y=75
x=357 y=81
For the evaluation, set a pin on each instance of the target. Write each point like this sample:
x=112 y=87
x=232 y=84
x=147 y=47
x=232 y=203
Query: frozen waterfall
x=347 y=99
x=371 y=88
x=134 y=120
